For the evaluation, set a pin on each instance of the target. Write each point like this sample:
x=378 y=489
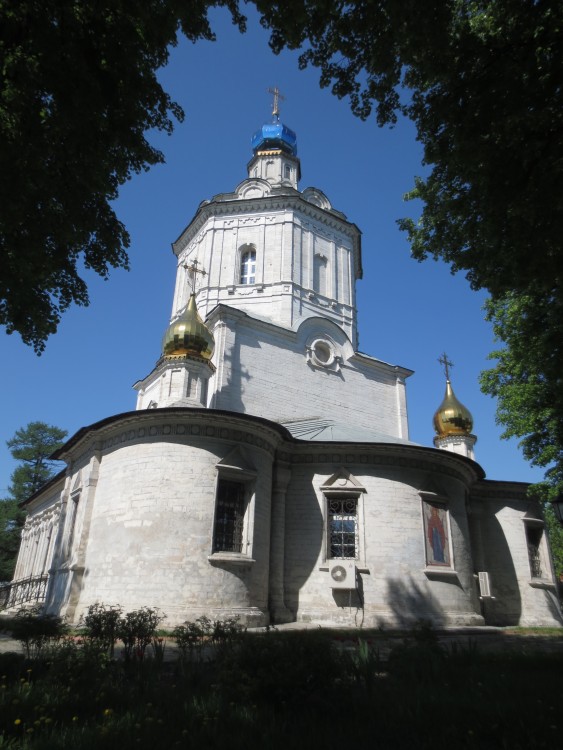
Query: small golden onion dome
x=188 y=335
x=452 y=417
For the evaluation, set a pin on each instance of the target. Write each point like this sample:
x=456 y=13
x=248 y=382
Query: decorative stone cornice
x=220 y=206
x=175 y=424
x=384 y=455
x=178 y=424
x=488 y=489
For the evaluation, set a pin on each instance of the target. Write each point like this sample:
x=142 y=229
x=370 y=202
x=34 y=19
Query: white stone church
x=267 y=471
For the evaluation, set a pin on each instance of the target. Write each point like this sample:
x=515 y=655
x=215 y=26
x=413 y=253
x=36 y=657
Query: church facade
x=267 y=471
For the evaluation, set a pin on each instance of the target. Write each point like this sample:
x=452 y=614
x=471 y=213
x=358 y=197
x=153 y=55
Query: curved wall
x=396 y=587
x=148 y=541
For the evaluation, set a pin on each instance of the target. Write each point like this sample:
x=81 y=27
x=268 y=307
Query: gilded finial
x=451 y=417
x=188 y=335
x=276 y=105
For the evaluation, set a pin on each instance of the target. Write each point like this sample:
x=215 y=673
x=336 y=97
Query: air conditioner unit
x=484 y=585
x=342 y=574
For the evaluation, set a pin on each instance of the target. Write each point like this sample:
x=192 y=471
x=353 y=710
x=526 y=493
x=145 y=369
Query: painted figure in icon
x=436 y=536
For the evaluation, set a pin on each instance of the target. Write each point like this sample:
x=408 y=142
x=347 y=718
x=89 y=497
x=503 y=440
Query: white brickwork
x=268 y=371
x=136 y=520
x=287 y=234
x=143 y=532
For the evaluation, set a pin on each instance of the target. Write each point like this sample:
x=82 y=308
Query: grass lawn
x=279 y=690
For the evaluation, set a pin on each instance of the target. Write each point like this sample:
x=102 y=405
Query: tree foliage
x=32 y=446
x=527 y=379
x=481 y=80
x=555 y=532
x=78 y=91
x=11 y=522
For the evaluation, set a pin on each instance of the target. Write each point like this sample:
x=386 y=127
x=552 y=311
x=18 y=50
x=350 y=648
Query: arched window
x=248 y=267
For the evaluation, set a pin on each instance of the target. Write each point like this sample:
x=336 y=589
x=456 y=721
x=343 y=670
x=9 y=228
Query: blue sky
x=408 y=312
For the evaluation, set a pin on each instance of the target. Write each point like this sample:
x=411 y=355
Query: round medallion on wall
x=322 y=353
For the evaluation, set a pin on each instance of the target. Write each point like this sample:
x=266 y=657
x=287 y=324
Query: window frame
x=343 y=484
x=444 y=523
x=247 y=480
x=342 y=497
x=247 y=265
x=537 y=526
x=221 y=501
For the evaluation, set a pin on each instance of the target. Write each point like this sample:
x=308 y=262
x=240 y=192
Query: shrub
x=35 y=630
x=101 y=624
x=191 y=638
x=137 y=629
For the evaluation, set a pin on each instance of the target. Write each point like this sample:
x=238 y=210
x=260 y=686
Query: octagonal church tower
x=274 y=272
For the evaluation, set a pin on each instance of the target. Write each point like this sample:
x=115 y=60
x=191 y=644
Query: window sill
x=240 y=288
x=542 y=583
x=232 y=558
x=440 y=572
x=69 y=567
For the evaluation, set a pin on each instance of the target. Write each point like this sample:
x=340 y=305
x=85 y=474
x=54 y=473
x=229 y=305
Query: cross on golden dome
x=193 y=270
x=443 y=360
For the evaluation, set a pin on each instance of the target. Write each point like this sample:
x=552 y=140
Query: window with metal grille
x=229 y=516
x=343 y=528
x=533 y=537
x=248 y=267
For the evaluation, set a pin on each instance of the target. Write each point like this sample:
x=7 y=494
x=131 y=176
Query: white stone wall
x=148 y=540
x=273 y=167
x=267 y=371
x=396 y=589
x=176 y=381
x=499 y=519
x=287 y=235
x=39 y=534
x=146 y=489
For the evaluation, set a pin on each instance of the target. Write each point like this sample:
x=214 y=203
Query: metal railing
x=32 y=589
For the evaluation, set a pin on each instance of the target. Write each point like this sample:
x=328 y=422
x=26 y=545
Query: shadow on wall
x=350 y=598
x=554 y=606
x=305 y=529
x=409 y=603
x=229 y=396
x=505 y=608
x=65 y=587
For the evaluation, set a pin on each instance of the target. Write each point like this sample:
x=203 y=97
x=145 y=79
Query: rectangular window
x=248 y=267
x=534 y=536
x=229 y=516
x=343 y=527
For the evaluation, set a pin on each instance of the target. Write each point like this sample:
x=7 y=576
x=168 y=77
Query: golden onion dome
x=188 y=334
x=452 y=417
